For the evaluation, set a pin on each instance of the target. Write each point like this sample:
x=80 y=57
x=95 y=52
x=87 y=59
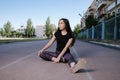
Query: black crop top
x=62 y=40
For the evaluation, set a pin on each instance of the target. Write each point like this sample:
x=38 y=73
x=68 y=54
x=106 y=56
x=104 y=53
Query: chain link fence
x=102 y=31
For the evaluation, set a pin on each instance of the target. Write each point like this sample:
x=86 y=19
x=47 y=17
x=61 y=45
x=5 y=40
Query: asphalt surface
x=19 y=61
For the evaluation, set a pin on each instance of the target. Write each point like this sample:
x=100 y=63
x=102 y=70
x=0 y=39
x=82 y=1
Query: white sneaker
x=80 y=65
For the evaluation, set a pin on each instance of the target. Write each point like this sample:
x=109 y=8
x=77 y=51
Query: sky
x=18 y=11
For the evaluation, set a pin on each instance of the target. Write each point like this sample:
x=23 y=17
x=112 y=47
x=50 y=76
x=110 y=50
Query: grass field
x=9 y=40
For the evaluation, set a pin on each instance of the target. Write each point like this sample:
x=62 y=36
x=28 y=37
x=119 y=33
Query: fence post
x=115 y=26
x=87 y=33
x=84 y=33
x=103 y=29
x=92 y=32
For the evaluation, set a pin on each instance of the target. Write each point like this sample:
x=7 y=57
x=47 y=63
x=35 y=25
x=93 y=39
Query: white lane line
x=76 y=54
x=88 y=75
x=16 y=61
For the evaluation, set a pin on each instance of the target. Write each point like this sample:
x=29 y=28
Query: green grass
x=7 y=40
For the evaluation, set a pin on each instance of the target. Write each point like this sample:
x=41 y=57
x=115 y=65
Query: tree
x=50 y=28
x=76 y=30
x=47 y=25
x=14 y=33
x=90 y=21
x=2 y=32
x=32 y=31
x=8 y=29
x=29 y=31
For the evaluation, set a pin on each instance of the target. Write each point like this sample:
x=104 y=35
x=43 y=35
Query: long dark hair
x=68 y=29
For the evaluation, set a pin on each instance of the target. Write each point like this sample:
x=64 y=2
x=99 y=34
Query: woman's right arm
x=47 y=45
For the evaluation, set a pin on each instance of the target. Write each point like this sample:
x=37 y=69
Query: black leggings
x=67 y=57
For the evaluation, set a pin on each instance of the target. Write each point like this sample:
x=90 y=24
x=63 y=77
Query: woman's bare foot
x=80 y=65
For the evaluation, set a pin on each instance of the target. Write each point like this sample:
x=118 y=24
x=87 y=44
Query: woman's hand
x=40 y=52
x=56 y=60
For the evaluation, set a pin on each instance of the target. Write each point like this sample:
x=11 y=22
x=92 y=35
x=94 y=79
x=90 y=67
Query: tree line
x=29 y=30
x=8 y=30
x=90 y=21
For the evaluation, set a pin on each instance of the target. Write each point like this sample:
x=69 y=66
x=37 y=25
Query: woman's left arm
x=64 y=50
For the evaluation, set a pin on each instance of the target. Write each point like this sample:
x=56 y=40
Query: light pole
x=83 y=19
x=84 y=28
x=115 y=27
x=80 y=15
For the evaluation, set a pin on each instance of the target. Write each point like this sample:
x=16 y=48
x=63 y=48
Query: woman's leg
x=72 y=63
x=70 y=59
x=48 y=55
x=80 y=65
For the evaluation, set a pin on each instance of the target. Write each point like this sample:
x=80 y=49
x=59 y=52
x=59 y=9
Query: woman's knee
x=68 y=56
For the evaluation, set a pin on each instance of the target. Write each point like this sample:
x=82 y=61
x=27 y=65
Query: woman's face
x=61 y=25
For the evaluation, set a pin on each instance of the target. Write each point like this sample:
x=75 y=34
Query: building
x=100 y=9
x=40 y=31
x=106 y=8
x=110 y=8
x=90 y=11
x=21 y=29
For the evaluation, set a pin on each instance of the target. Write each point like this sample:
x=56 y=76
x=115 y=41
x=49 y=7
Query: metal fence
x=102 y=31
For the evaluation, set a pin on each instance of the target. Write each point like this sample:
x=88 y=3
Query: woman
x=65 y=39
